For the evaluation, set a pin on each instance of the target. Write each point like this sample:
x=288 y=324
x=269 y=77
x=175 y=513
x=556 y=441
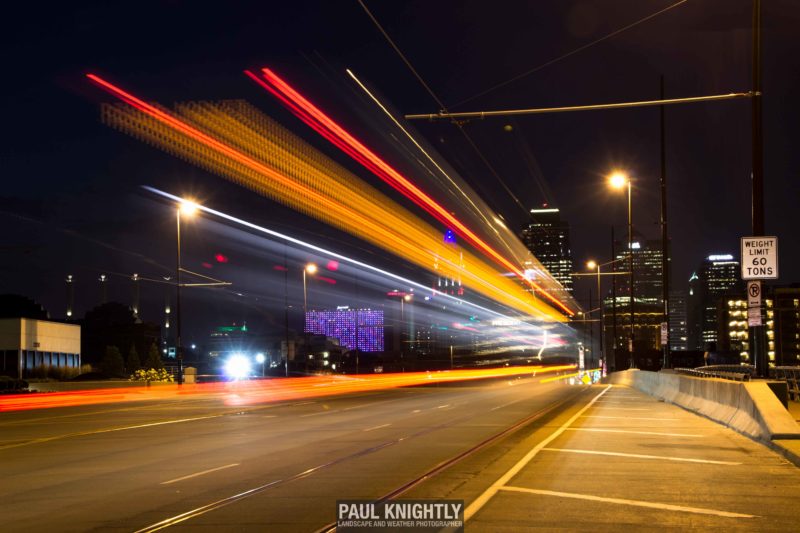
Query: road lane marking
x=319 y=413
x=199 y=473
x=614 y=408
x=416 y=411
x=635 y=503
x=487 y=495
x=443 y=406
x=632 y=418
x=598 y=430
x=641 y=456
x=108 y=430
x=505 y=405
x=377 y=427
x=269 y=416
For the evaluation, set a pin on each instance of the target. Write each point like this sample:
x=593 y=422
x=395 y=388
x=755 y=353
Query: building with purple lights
x=347 y=325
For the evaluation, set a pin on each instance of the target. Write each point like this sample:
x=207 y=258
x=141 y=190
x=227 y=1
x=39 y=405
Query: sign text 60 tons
x=759 y=258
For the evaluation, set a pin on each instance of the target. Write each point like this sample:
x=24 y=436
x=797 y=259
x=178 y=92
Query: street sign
x=754 y=316
x=664 y=333
x=754 y=294
x=759 y=258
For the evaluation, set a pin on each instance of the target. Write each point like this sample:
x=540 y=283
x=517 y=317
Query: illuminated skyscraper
x=678 y=335
x=647 y=279
x=547 y=237
x=715 y=276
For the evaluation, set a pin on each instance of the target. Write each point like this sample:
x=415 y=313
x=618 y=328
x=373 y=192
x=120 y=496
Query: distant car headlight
x=237 y=367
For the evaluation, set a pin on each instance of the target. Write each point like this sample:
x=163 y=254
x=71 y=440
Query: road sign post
x=759 y=261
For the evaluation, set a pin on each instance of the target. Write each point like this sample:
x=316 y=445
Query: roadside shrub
x=152 y=374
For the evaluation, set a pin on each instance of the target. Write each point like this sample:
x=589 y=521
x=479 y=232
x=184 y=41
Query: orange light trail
x=263 y=391
x=395 y=179
x=236 y=141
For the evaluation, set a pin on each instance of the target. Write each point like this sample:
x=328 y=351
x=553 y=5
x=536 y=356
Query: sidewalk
x=629 y=461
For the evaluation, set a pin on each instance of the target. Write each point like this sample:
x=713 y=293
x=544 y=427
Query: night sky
x=72 y=203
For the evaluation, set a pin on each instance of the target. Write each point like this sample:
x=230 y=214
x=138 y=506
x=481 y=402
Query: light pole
x=619 y=180
x=594 y=265
x=188 y=209
x=405 y=298
x=310 y=268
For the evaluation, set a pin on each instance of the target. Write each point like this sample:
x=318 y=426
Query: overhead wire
x=433 y=95
x=570 y=53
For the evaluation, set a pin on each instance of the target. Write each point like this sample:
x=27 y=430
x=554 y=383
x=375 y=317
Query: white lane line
x=632 y=418
x=416 y=411
x=377 y=427
x=319 y=413
x=505 y=405
x=443 y=406
x=614 y=408
x=635 y=503
x=640 y=456
x=269 y=416
x=598 y=430
x=199 y=473
x=301 y=403
x=487 y=495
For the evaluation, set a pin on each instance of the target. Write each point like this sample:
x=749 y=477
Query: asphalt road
x=206 y=464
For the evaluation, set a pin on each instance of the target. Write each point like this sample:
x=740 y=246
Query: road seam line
x=376 y=427
x=599 y=430
x=636 y=503
x=642 y=456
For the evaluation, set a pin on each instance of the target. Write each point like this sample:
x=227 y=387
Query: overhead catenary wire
x=441 y=105
x=568 y=54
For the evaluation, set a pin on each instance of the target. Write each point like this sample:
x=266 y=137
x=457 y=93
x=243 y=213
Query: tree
x=112 y=363
x=153 y=358
x=133 y=364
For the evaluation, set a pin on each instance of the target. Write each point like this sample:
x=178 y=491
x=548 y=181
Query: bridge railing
x=791 y=375
x=731 y=372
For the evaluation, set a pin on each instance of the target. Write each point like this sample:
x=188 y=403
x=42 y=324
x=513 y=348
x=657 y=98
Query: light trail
x=502 y=328
x=380 y=168
x=255 y=392
x=236 y=141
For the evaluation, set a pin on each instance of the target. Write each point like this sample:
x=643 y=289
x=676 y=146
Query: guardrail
x=730 y=372
x=791 y=375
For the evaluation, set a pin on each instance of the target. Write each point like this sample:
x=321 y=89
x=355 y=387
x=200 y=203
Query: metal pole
x=593 y=107
x=590 y=327
x=451 y=357
x=757 y=333
x=178 y=349
x=286 y=308
x=630 y=267
x=664 y=237
x=613 y=305
x=602 y=319
x=305 y=299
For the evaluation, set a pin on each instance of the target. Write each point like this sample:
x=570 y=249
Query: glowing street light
x=311 y=269
x=594 y=265
x=619 y=180
x=189 y=209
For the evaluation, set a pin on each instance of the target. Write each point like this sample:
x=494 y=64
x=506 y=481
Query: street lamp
x=310 y=268
x=594 y=265
x=403 y=300
x=186 y=208
x=619 y=180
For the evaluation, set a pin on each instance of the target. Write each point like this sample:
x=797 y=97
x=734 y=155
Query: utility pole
x=613 y=306
x=664 y=237
x=757 y=334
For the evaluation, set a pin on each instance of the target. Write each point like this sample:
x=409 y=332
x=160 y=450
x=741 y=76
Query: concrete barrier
x=751 y=407
x=69 y=386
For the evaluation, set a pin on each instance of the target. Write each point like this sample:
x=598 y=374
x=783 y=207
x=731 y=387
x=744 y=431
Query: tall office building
x=715 y=276
x=547 y=237
x=678 y=335
x=647 y=279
